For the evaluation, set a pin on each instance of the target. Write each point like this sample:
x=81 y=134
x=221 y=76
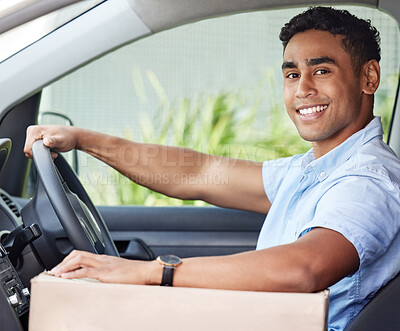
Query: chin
x=309 y=136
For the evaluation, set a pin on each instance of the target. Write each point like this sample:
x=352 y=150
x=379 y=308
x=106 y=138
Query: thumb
x=48 y=141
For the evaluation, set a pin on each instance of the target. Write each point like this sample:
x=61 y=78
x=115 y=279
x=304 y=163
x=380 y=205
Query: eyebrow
x=309 y=62
x=320 y=60
x=288 y=65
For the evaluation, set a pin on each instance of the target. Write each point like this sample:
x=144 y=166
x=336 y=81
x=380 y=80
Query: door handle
x=135 y=249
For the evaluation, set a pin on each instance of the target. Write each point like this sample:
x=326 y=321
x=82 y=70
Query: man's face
x=322 y=93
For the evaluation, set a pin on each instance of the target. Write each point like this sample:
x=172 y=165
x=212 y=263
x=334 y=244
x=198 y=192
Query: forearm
x=249 y=271
x=316 y=261
x=180 y=172
x=174 y=171
x=275 y=269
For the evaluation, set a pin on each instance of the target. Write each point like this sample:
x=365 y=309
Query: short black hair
x=361 y=40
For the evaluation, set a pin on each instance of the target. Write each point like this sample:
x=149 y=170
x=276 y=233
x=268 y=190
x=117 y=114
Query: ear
x=370 y=76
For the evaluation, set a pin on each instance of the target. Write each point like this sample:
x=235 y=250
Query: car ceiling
x=174 y=11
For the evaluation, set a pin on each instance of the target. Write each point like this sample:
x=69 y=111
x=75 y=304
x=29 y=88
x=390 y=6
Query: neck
x=324 y=146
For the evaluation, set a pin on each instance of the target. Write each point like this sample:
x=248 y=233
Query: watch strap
x=168 y=275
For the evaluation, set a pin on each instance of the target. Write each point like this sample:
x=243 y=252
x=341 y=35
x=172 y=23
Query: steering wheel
x=83 y=225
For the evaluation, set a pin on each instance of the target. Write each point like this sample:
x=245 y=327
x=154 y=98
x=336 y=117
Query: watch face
x=170 y=260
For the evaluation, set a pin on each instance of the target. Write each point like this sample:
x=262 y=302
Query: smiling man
x=326 y=96
x=332 y=213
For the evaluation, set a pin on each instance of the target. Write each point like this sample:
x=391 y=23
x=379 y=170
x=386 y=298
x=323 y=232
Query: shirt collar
x=324 y=165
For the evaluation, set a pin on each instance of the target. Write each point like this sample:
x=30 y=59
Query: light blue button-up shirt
x=355 y=190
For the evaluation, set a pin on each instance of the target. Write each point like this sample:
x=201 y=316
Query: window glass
x=213 y=86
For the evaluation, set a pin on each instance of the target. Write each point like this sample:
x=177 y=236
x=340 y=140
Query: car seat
x=382 y=313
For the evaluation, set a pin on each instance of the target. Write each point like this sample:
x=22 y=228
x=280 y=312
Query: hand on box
x=107 y=269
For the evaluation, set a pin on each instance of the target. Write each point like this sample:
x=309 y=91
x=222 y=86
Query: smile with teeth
x=312 y=110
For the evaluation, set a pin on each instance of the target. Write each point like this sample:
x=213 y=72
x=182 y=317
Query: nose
x=305 y=87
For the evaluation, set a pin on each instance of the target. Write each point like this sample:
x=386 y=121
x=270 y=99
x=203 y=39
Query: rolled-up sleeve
x=364 y=210
x=275 y=171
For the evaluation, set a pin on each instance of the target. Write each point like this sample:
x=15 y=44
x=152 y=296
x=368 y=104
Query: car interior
x=199 y=74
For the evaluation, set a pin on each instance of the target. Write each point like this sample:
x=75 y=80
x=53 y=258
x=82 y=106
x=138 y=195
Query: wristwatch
x=170 y=262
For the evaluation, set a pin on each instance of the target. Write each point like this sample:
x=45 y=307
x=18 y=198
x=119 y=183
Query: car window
x=214 y=86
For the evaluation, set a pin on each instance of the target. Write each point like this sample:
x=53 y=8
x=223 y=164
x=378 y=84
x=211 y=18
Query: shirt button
x=322 y=174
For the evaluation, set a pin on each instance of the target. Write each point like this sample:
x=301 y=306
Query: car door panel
x=185 y=231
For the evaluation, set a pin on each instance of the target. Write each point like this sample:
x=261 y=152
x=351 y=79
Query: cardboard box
x=75 y=305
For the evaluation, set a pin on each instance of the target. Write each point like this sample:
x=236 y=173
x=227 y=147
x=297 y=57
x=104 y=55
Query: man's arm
x=314 y=262
x=177 y=172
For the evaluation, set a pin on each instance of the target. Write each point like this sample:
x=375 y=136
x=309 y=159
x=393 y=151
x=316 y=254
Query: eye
x=292 y=75
x=322 y=72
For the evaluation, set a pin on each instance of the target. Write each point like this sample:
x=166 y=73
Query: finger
x=49 y=141
x=32 y=135
x=75 y=260
x=78 y=273
x=75 y=257
x=53 y=155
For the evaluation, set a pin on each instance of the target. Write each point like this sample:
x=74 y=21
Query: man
x=332 y=213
